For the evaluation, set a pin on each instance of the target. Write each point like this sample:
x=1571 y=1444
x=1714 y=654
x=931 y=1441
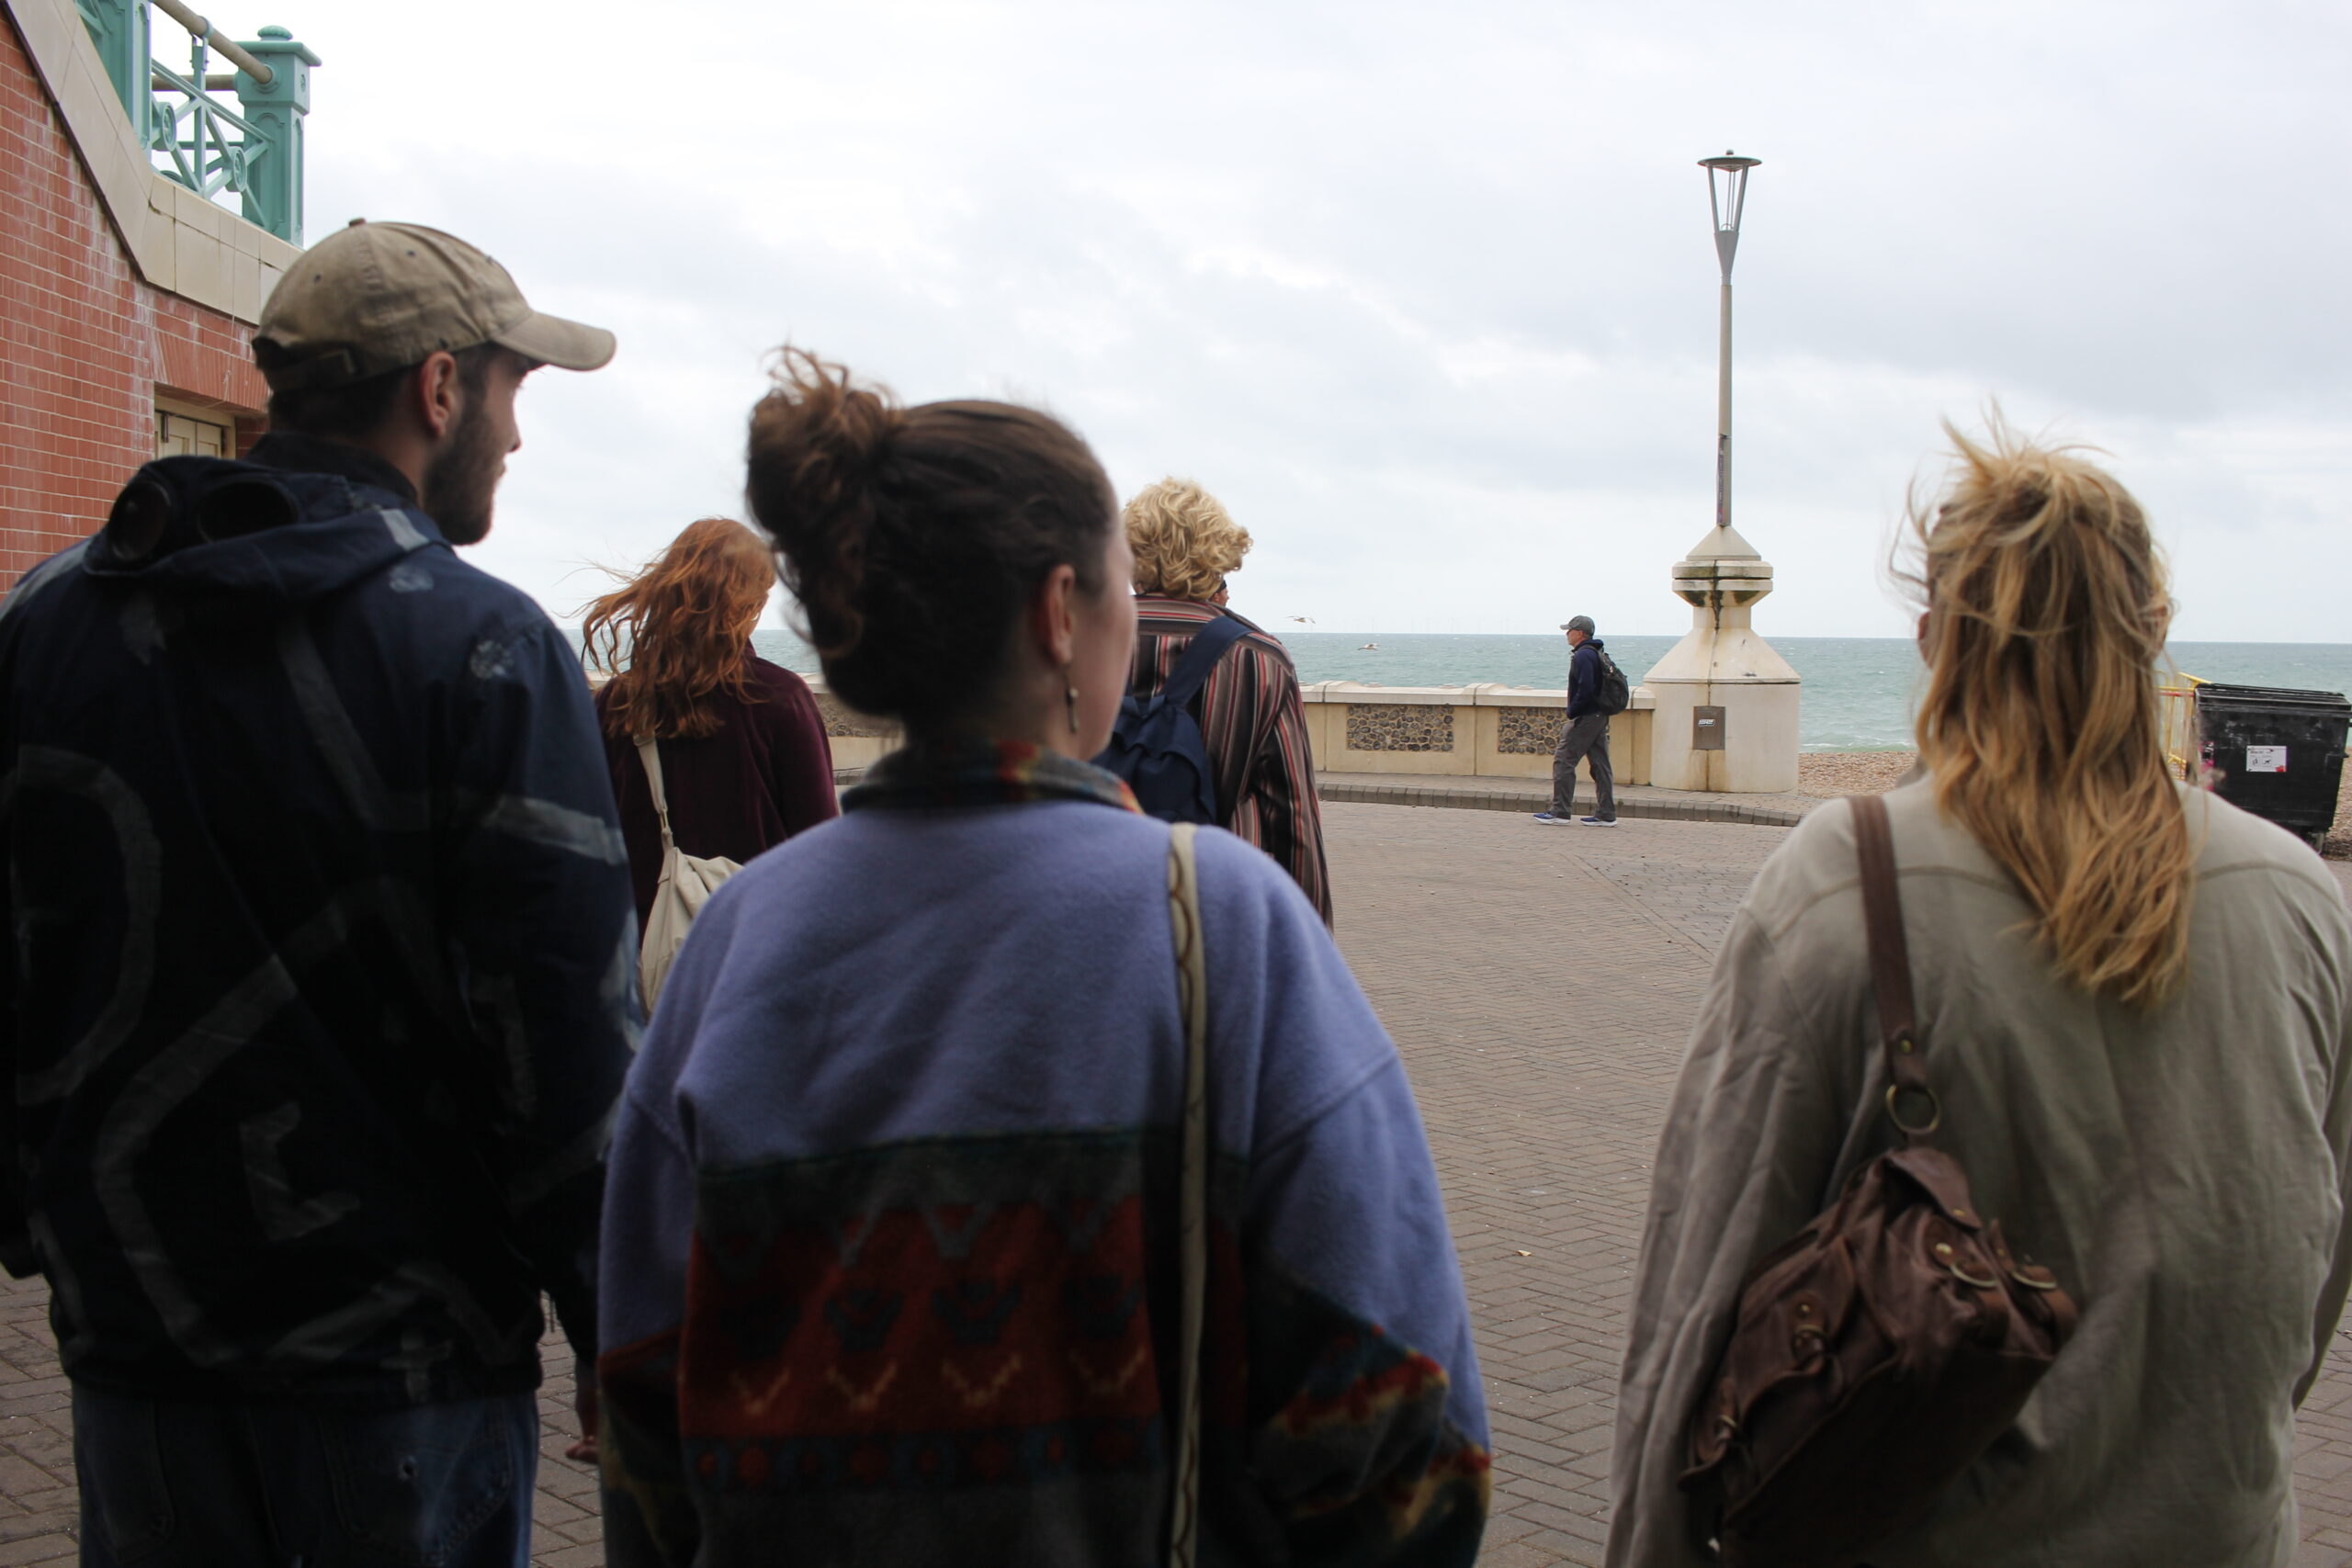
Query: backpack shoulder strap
x=1906 y=1072
x=1192 y=670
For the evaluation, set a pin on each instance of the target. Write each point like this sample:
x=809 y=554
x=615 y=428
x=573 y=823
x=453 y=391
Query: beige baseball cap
x=379 y=296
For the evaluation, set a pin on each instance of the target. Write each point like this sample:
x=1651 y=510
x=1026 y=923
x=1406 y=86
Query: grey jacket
x=2182 y=1171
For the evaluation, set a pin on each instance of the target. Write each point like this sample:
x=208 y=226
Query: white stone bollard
x=1726 y=703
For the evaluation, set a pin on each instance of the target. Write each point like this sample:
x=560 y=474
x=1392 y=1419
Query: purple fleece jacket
x=888 y=1261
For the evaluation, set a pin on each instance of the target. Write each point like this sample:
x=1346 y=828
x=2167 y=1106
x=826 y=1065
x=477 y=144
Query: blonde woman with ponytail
x=2134 y=1000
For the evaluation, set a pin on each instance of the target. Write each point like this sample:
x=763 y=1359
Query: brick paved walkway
x=1540 y=982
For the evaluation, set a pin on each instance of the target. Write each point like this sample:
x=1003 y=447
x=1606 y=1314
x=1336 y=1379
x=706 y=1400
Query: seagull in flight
x=1302 y=620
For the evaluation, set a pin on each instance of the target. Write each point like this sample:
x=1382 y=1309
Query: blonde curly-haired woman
x=1186 y=545
x=2133 y=1001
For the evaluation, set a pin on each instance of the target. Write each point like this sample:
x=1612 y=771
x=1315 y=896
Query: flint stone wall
x=1394 y=727
x=1526 y=732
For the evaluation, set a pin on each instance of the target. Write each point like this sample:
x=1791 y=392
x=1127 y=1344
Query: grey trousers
x=1587 y=739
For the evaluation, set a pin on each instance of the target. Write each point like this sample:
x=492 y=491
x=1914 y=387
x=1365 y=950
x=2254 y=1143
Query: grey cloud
x=1428 y=297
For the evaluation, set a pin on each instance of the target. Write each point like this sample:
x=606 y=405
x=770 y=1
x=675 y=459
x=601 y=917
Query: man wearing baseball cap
x=323 y=982
x=1593 y=684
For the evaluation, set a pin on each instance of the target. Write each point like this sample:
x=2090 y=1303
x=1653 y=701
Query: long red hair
x=679 y=633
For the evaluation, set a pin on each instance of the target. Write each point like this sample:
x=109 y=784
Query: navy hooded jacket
x=1584 y=678
x=325 y=970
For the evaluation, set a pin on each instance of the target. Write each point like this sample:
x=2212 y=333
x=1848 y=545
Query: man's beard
x=461 y=483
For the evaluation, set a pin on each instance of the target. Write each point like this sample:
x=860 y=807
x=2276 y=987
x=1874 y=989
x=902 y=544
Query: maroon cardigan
x=766 y=774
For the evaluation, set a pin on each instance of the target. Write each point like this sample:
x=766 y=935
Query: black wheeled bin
x=2277 y=752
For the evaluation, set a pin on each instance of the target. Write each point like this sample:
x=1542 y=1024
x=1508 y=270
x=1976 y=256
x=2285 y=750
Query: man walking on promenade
x=1586 y=735
x=323 y=982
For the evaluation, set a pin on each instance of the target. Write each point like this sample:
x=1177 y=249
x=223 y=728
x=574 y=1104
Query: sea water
x=1858 y=694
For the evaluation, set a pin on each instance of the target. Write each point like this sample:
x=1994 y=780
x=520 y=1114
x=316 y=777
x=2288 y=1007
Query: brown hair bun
x=913 y=537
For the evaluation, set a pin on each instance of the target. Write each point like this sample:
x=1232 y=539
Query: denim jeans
x=180 y=1485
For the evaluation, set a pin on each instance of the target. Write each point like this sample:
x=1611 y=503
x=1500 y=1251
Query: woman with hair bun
x=891 y=1268
x=745 y=760
x=2132 y=1001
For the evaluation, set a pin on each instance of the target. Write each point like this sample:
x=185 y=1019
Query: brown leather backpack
x=1878 y=1353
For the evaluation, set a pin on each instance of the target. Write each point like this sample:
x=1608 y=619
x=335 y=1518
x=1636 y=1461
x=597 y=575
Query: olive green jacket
x=2183 y=1172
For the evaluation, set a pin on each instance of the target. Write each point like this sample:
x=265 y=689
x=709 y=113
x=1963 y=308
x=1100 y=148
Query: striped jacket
x=1250 y=715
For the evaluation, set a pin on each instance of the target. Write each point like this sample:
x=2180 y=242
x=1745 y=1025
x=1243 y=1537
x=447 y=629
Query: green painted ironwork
x=253 y=151
x=276 y=109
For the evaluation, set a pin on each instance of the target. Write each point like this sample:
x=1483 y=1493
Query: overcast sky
x=1425 y=293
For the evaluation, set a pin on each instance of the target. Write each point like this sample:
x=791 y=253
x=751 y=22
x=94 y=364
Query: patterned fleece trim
x=974 y=1337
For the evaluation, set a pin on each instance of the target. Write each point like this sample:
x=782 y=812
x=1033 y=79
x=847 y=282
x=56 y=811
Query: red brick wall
x=84 y=344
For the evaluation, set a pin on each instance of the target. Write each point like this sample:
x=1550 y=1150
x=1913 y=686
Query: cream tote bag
x=687 y=882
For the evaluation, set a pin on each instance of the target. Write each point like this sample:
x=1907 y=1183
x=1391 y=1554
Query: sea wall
x=857 y=741
x=1481 y=731
x=1489 y=730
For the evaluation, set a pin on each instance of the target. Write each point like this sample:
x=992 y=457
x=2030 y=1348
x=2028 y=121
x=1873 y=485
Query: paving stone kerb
x=1540 y=983
x=1526 y=796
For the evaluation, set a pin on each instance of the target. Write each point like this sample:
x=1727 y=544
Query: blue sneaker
x=1549 y=820
x=1596 y=821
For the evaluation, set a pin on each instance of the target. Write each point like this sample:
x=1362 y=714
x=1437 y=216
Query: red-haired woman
x=745 y=761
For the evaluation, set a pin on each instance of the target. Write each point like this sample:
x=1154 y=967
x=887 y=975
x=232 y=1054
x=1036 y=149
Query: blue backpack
x=1157 y=745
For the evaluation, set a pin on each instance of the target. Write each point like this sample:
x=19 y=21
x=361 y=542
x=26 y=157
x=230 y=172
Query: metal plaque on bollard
x=1706 y=730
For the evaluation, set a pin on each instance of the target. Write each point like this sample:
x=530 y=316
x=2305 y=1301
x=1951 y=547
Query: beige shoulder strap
x=1192 y=992
x=649 y=751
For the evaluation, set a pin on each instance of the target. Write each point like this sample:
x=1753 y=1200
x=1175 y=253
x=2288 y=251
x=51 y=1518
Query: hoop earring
x=1070 y=698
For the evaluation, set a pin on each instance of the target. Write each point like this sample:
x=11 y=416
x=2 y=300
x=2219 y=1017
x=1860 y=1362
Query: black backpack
x=1616 y=693
x=1158 y=747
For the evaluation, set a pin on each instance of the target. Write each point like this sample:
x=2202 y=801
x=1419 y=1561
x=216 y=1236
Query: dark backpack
x=1157 y=745
x=1615 y=694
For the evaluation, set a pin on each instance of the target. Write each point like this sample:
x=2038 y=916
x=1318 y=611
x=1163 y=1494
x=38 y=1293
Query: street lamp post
x=1723 y=701
x=1726 y=195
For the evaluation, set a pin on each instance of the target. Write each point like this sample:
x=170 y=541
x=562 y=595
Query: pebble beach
x=1830 y=773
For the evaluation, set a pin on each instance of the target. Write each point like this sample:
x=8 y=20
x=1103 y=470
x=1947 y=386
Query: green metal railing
x=253 y=151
